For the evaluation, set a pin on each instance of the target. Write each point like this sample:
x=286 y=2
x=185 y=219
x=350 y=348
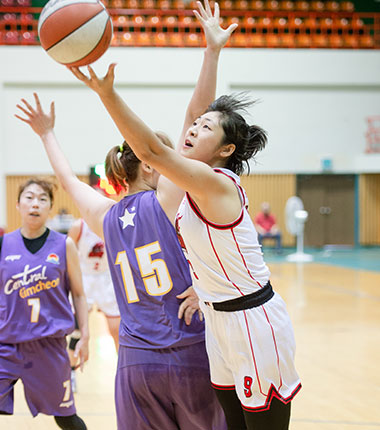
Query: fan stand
x=299 y=256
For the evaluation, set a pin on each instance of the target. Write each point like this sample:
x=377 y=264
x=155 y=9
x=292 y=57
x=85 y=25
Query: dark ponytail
x=248 y=140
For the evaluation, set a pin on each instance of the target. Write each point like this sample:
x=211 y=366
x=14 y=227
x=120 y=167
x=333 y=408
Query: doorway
x=330 y=203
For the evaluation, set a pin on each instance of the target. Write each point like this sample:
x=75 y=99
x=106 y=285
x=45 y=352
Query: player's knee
x=72 y=422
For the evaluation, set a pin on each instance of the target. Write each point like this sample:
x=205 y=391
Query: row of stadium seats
x=271 y=5
x=248 y=22
x=238 y=40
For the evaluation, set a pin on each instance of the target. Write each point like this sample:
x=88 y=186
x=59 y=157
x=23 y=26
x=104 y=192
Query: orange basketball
x=75 y=32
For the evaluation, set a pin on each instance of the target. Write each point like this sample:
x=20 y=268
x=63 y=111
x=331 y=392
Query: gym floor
x=334 y=303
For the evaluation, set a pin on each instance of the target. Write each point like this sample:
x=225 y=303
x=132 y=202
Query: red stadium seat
x=170 y=21
x=239 y=40
x=186 y=20
x=28 y=38
x=174 y=39
x=272 y=5
x=257 y=5
x=295 y=24
x=233 y=20
x=347 y=6
x=357 y=23
x=23 y=3
x=127 y=39
x=163 y=4
x=335 y=41
x=178 y=4
x=131 y=4
x=138 y=20
x=340 y=24
x=366 y=41
x=319 y=40
x=302 y=5
x=26 y=19
x=226 y=5
x=287 y=5
x=242 y=5
x=249 y=22
x=192 y=39
x=256 y=40
x=287 y=40
x=332 y=6
x=160 y=39
x=148 y=4
x=272 y=40
x=351 y=41
x=264 y=23
x=280 y=24
x=153 y=20
x=144 y=38
x=303 y=40
x=317 y=6
x=11 y=38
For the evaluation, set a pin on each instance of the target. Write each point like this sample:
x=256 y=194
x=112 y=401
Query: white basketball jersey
x=226 y=260
x=92 y=253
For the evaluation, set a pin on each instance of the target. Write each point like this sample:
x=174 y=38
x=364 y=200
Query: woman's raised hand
x=216 y=36
x=40 y=122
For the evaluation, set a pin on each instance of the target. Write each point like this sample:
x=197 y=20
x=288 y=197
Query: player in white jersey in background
x=97 y=283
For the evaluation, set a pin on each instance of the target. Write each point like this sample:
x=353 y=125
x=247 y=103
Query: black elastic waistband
x=253 y=300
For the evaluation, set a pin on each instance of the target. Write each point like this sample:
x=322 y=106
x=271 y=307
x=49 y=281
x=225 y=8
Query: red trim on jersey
x=275 y=345
x=223 y=387
x=220 y=263
x=194 y=207
x=243 y=259
x=252 y=352
x=220 y=226
x=273 y=393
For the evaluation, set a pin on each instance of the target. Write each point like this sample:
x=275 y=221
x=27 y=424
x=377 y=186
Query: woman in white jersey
x=250 y=339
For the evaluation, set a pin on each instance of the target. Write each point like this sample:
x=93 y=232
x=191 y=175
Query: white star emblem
x=127 y=218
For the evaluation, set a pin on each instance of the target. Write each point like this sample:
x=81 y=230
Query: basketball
x=75 y=32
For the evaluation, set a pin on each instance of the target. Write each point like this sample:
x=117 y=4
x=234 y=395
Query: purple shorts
x=44 y=368
x=166 y=389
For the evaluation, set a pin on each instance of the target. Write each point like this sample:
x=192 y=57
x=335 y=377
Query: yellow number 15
x=154 y=273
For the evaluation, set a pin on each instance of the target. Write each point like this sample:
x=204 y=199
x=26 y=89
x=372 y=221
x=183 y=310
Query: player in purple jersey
x=163 y=379
x=38 y=269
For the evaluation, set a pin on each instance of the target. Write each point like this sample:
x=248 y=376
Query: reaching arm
x=79 y=299
x=168 y=194
x=91 y=204
x=216 y=38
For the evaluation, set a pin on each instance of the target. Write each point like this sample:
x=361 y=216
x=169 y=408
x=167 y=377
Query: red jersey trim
x=194 y=207
x=233 y=224
x=271 y=394
x=223 y=387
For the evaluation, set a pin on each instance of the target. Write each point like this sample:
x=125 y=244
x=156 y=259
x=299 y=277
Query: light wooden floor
x=336 y=316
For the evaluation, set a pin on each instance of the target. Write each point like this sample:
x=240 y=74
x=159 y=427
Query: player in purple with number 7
x=163 y=379
x=38 y=269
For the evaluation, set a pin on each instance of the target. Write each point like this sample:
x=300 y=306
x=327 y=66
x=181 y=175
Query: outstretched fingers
x=78 y=74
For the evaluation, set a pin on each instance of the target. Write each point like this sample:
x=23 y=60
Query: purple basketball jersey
x=34 y=290
x=148 y=270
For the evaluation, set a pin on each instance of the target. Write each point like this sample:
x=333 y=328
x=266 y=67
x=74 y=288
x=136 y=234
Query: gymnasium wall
x=313 y=104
